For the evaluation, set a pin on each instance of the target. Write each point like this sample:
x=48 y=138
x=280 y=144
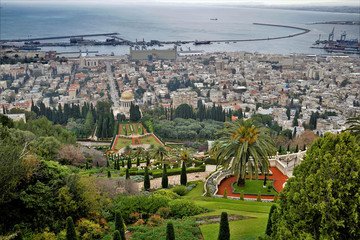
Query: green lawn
x=149 y=140
x=243 y=229
x=122 y=142
x=254 y=186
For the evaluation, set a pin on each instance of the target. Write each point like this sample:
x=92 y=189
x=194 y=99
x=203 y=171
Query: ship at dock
x=341 y=45
x=201 y=42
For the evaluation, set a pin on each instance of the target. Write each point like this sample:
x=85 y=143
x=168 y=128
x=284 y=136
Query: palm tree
x=241 y=145
x=354 y=126
x=185 y=156
x=160 y=153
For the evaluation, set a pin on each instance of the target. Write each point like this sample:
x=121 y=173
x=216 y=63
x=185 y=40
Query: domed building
x=125 y=102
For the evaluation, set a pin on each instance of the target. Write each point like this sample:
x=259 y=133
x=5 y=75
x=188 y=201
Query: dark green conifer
x=224 y=232
x=119 y=225
x=170 y=233
x=183 y=178
x=127 y=176
x=164 y=180
x=268 y=230
x=108 y=174
x=116 y=235
x=70 y=229
x=146 y=179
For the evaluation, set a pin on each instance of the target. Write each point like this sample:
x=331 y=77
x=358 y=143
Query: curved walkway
x=280 y=179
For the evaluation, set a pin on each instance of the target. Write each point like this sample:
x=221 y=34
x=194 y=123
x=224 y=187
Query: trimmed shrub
x=167 y=193
x=242 y=195
x=259 y=197
x=208 y=194
x=225 y=194
x=180 y=190
x=224 y=231
x=154 y=220
x=181 y=208
x=170 y=234
x=164 y=212
x=70 y=229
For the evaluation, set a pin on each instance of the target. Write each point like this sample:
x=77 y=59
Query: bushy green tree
x=170 y=234
x=224 y=231
x=321 y=201
x=70 y=229
x=183 y=178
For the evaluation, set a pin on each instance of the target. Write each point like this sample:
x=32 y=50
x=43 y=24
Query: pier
x=59 y=37
x=120 y=41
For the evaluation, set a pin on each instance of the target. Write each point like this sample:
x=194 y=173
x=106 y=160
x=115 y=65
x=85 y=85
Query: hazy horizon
x=275 y=3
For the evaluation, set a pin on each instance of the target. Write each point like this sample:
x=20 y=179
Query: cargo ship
x=201 y=42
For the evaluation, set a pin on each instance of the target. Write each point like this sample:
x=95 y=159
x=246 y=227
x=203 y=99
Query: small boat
x=213 y=19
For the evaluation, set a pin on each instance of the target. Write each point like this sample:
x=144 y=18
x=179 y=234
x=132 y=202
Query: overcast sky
x=220 y=2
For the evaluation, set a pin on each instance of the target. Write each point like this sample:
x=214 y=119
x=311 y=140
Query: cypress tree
x=137 y=161
x=127 y=176
x=242 y=195
x=146 y=179
x=97 y=164
x=268 y=230
x=119 y=225
x=170 y=234
x=208 y=194
x=280 y=149
x=183 y=178
x=225 y=193
x=147 y=161
x=258 y=197
x=129 y=163
x=116 y=235
x=297 y=148
x=224 y=232
x=70 y=229
x=304 y=147
x=109 y=174
x=164 y=180
x=288 y=148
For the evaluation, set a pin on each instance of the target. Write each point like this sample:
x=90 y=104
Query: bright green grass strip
x=196 y=192
x=243 y=229
x=254 y=186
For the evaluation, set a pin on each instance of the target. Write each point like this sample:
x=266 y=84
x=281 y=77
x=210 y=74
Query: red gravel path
x=280 y=179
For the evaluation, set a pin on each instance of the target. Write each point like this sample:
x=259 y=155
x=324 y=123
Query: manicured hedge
x=170 y=172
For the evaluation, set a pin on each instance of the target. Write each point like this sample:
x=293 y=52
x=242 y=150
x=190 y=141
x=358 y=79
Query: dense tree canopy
x=322 y=200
